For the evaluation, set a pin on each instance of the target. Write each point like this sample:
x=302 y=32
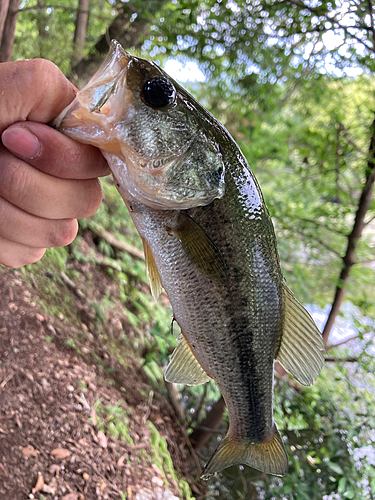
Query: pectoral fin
x=184 y=368
x=200 y=249
x=268 y=456
x=152 y=272
x=302 y=347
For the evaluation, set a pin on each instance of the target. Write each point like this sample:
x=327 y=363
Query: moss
x=113 y=419
x=54 y=297
x=162 y=459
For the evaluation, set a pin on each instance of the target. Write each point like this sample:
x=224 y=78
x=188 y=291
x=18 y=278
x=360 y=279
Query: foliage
x=48 y=27
x=293 y=83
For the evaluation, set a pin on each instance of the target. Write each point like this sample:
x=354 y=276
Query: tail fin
x=269 y=456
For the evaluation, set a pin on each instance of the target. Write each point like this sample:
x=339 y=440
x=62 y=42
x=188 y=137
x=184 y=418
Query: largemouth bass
x=209 y=242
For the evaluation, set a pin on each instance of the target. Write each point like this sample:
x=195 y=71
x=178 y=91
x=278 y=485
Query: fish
x=209 y=242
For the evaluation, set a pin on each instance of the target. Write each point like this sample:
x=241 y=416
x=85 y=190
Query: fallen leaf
x=121 y=460
x=102 y=439
x=2 y=468
x=29 y=451
x=39 y=485
x=129 y=493
x=54 y=469
x=18 y=422
x=70 y=496
x=94 y=419
x=61 y=453
x=103 y=486
x=158 y=481
x=91 y=386
x=49 y=489
x=156 y=469
x=85 y=476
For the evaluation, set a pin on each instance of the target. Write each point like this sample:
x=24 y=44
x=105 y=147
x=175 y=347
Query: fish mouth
x=87 y=119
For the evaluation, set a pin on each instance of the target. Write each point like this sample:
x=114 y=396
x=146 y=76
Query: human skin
x=47 y=180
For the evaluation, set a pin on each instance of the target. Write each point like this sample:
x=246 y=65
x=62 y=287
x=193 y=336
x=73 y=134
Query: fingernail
x=21 y=141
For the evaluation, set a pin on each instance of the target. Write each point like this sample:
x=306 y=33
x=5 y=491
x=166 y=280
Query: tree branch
x=212 y=421
x=354 y=236
x=43 y=7
x=119 y=244
x=333 y=20
x=324 y=226
x=370 y=220
x=369 y=3
x=341 y=360
x=350 y=140
x=124 y=30
x=305 y=237
x=332 y=346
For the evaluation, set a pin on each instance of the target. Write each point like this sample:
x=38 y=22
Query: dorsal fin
x=302 y=347
x=152 y=272
x=184 y=368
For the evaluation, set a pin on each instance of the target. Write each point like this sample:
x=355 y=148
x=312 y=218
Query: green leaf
x=336 y=468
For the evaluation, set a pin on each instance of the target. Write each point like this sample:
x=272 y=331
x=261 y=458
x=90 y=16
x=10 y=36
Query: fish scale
x=247 y=390
x=212 y=249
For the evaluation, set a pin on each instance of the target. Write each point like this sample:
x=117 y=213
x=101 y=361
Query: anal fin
x=302 y=348
x=152 y=272
x=268 y=456
x=184 y=367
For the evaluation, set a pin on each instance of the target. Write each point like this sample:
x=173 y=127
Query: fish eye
x=219 y=172
x=158 y=92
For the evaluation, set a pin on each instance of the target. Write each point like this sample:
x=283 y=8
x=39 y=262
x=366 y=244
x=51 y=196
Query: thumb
x=34 y=90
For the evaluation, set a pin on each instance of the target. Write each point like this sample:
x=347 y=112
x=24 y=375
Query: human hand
x=47 y=180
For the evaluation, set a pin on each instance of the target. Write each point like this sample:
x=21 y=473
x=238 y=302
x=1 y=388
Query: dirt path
x=69 y=429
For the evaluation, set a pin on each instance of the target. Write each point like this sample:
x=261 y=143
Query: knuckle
x=40 y=74
x=71 y=159
x=17 y=185
x=39 y=65
x=63 y=233
x=94 y=198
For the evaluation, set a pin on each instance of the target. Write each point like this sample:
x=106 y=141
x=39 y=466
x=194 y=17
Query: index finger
x=58 y=155
x=35 y=90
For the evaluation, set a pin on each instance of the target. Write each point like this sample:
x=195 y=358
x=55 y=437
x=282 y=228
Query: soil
x=56 y=399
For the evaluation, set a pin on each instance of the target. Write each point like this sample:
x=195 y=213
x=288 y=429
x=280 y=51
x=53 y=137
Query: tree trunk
x=124 y=31
x=80 y=31
x=4 y=4
x=354 y=236
x=7 y=40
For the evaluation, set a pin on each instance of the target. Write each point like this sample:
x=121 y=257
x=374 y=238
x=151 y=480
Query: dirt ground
x=57 y=406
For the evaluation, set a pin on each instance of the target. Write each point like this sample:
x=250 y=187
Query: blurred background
x=293 y=81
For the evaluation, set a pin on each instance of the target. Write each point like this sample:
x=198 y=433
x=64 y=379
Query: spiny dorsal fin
x=200 y=249
x=268 y=456
x=184 y=367
x=302 y=347
x=152 y=272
